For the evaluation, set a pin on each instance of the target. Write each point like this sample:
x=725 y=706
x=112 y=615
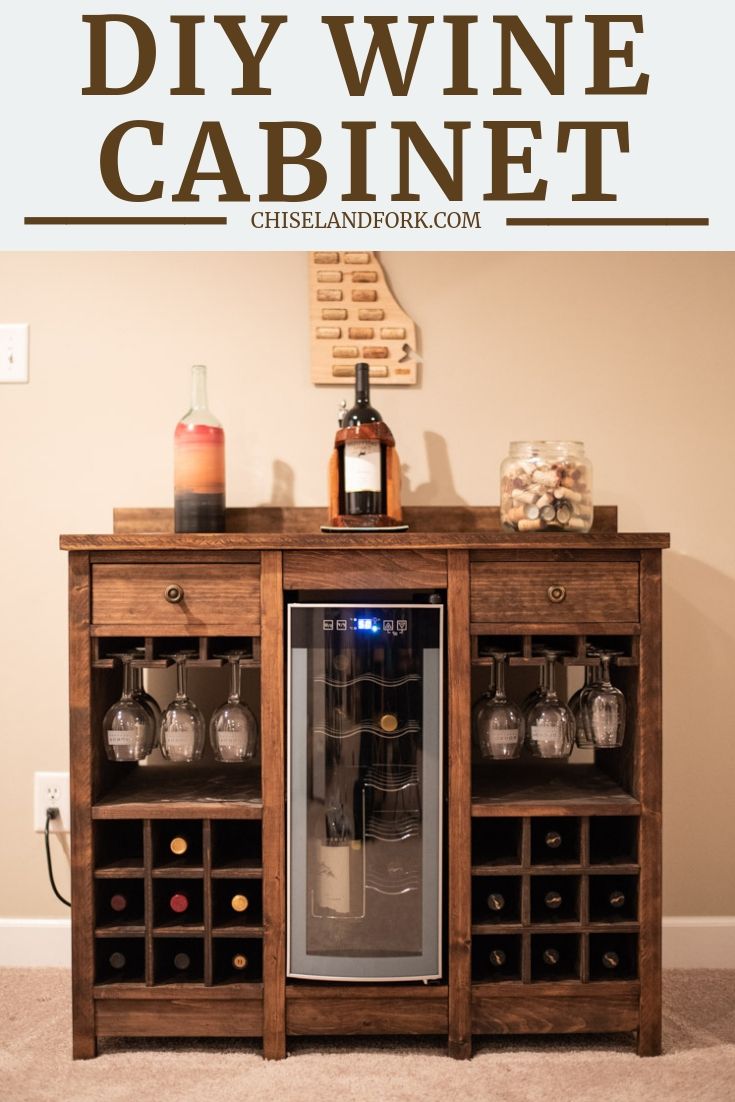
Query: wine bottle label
x=333 y=882
x=362 y=467
x=548 y=740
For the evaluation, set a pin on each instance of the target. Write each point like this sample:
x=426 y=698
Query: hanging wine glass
x=540 y=691
x=485 y=697
x=583 y=736
x=182 y=726
x=139 y=693
x=549 y=722
x=603 y=707
x=129 y=727
x=233 y=731
x=499 y=723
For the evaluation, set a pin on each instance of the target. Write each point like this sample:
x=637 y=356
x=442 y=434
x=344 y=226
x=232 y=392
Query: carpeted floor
x=698 y=1064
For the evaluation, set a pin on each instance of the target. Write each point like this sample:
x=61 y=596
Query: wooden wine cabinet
x=146 y=587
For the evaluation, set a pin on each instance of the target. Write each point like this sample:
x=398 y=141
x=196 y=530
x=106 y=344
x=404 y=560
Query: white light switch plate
x=14 y=353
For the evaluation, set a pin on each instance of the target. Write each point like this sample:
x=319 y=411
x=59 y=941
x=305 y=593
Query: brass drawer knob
x=173 y=594
x=556 y=593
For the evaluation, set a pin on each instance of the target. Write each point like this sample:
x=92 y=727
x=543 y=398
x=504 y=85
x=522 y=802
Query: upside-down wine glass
x=143 y=697
x=182 y=726
x=498 y=722
x=549 y=723
x=129 y=726
x=485 y=697
x=584 y=738
x=603 y=707
x=233 y=731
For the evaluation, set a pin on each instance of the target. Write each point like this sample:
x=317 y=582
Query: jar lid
x=546 y=447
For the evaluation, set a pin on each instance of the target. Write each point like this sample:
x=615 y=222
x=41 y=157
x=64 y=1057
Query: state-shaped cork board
x=355 y=318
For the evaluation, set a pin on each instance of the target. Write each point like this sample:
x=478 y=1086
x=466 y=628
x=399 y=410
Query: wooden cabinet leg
x=649 y=1040
x=460 y=1050
x=84 y=1045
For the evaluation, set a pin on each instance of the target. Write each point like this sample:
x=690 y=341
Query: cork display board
x=354 y=317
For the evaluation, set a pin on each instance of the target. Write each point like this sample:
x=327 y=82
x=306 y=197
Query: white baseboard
x=691 y=941
x=35 y=942
x=699 y=941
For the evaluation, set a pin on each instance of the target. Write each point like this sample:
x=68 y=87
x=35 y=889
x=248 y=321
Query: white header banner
x=455 y=125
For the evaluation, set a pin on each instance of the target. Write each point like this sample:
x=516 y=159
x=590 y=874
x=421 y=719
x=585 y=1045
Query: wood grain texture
x=183 y=792
x=650 y=779
x=459 y=791
x=350 y=1010
x=297 y=519
x=497 y=1011
x=365 y=570
x=179 y=1016
x=220 y=599
x=593 y=592
x=84 y=1044
x=529 y=788
x=272 y=713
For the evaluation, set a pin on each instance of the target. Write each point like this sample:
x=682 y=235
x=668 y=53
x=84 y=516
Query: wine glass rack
x=551 y=901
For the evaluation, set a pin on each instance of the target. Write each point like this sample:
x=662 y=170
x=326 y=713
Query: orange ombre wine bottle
x=199 y=464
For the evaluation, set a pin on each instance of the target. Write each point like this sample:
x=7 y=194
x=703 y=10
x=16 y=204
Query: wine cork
x=326 y=258
x=329 y=276
x=529 y=525
x=345 y=351
x=328 y=332
x=365 y=277
x=364 y=295
x=393 y=333
x=329 y=294
x=361 y=333
x=347 y=371
x=334 y=313
x=357 y=258
x=370 y=314
x=375 y=352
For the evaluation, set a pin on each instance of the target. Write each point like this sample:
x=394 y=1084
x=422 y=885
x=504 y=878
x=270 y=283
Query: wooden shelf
x=221 y=990
x=121 y=929
x=233 y=930
x=184 y=792
x=546 y=788
x=249 y=868
x=125 y=869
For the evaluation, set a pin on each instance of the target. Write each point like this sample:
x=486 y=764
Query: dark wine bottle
x=553 y=900
x=550 y=956
x=552 y=839
x=239 y=962
x=497 y=957
x=616 y=899
x=364 y=466
x=117 y=961
x=118 y=902
x=179 y=903
x=239 y=902
x=495 y=901
x=178 y=845
x=610 y=960
x=182 y=961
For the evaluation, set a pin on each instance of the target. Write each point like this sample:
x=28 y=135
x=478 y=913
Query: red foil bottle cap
x=179 y=903
x=118 y=902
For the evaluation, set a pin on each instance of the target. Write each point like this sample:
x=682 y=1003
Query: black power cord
x=52 y=813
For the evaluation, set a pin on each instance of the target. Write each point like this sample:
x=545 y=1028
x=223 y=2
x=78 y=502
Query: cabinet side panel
x=80 y=759
x=649 y=773
x=459 y=790
x=273 y=781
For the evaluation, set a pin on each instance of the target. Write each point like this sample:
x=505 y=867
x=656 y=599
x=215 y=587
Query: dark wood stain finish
x=235 y=584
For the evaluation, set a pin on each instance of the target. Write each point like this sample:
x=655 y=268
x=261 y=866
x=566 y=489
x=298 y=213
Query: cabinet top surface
x=272 y=528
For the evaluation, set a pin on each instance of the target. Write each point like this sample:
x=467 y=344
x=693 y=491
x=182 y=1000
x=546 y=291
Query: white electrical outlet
x=14 y=353
x=51 y=790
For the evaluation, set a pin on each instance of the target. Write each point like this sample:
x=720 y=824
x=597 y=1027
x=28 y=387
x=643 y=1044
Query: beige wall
x=633 y=353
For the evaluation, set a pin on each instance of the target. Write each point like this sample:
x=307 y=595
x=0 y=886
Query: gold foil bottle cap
x=240 y=903
x=389 y=722
x=179 y=846
x=239 y=961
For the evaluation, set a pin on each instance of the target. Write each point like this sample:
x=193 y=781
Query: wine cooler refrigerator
x=365 y=791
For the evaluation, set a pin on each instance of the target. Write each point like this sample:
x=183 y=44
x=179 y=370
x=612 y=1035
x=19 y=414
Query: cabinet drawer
x=558 y=593
x=191 y=598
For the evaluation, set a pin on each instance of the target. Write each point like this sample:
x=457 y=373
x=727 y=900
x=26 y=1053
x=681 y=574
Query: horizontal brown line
x=607 y=221
x=130 y=220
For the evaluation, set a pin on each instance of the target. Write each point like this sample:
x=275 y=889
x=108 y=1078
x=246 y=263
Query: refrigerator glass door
x=364 y=800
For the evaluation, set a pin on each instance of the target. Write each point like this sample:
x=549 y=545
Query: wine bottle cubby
x=497 y=885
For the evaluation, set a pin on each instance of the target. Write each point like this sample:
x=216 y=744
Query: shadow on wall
x=282 y=488
x=439 y=489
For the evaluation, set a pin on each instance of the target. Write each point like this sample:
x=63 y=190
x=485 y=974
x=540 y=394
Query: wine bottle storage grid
x=163 y=917
x=555 y=898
